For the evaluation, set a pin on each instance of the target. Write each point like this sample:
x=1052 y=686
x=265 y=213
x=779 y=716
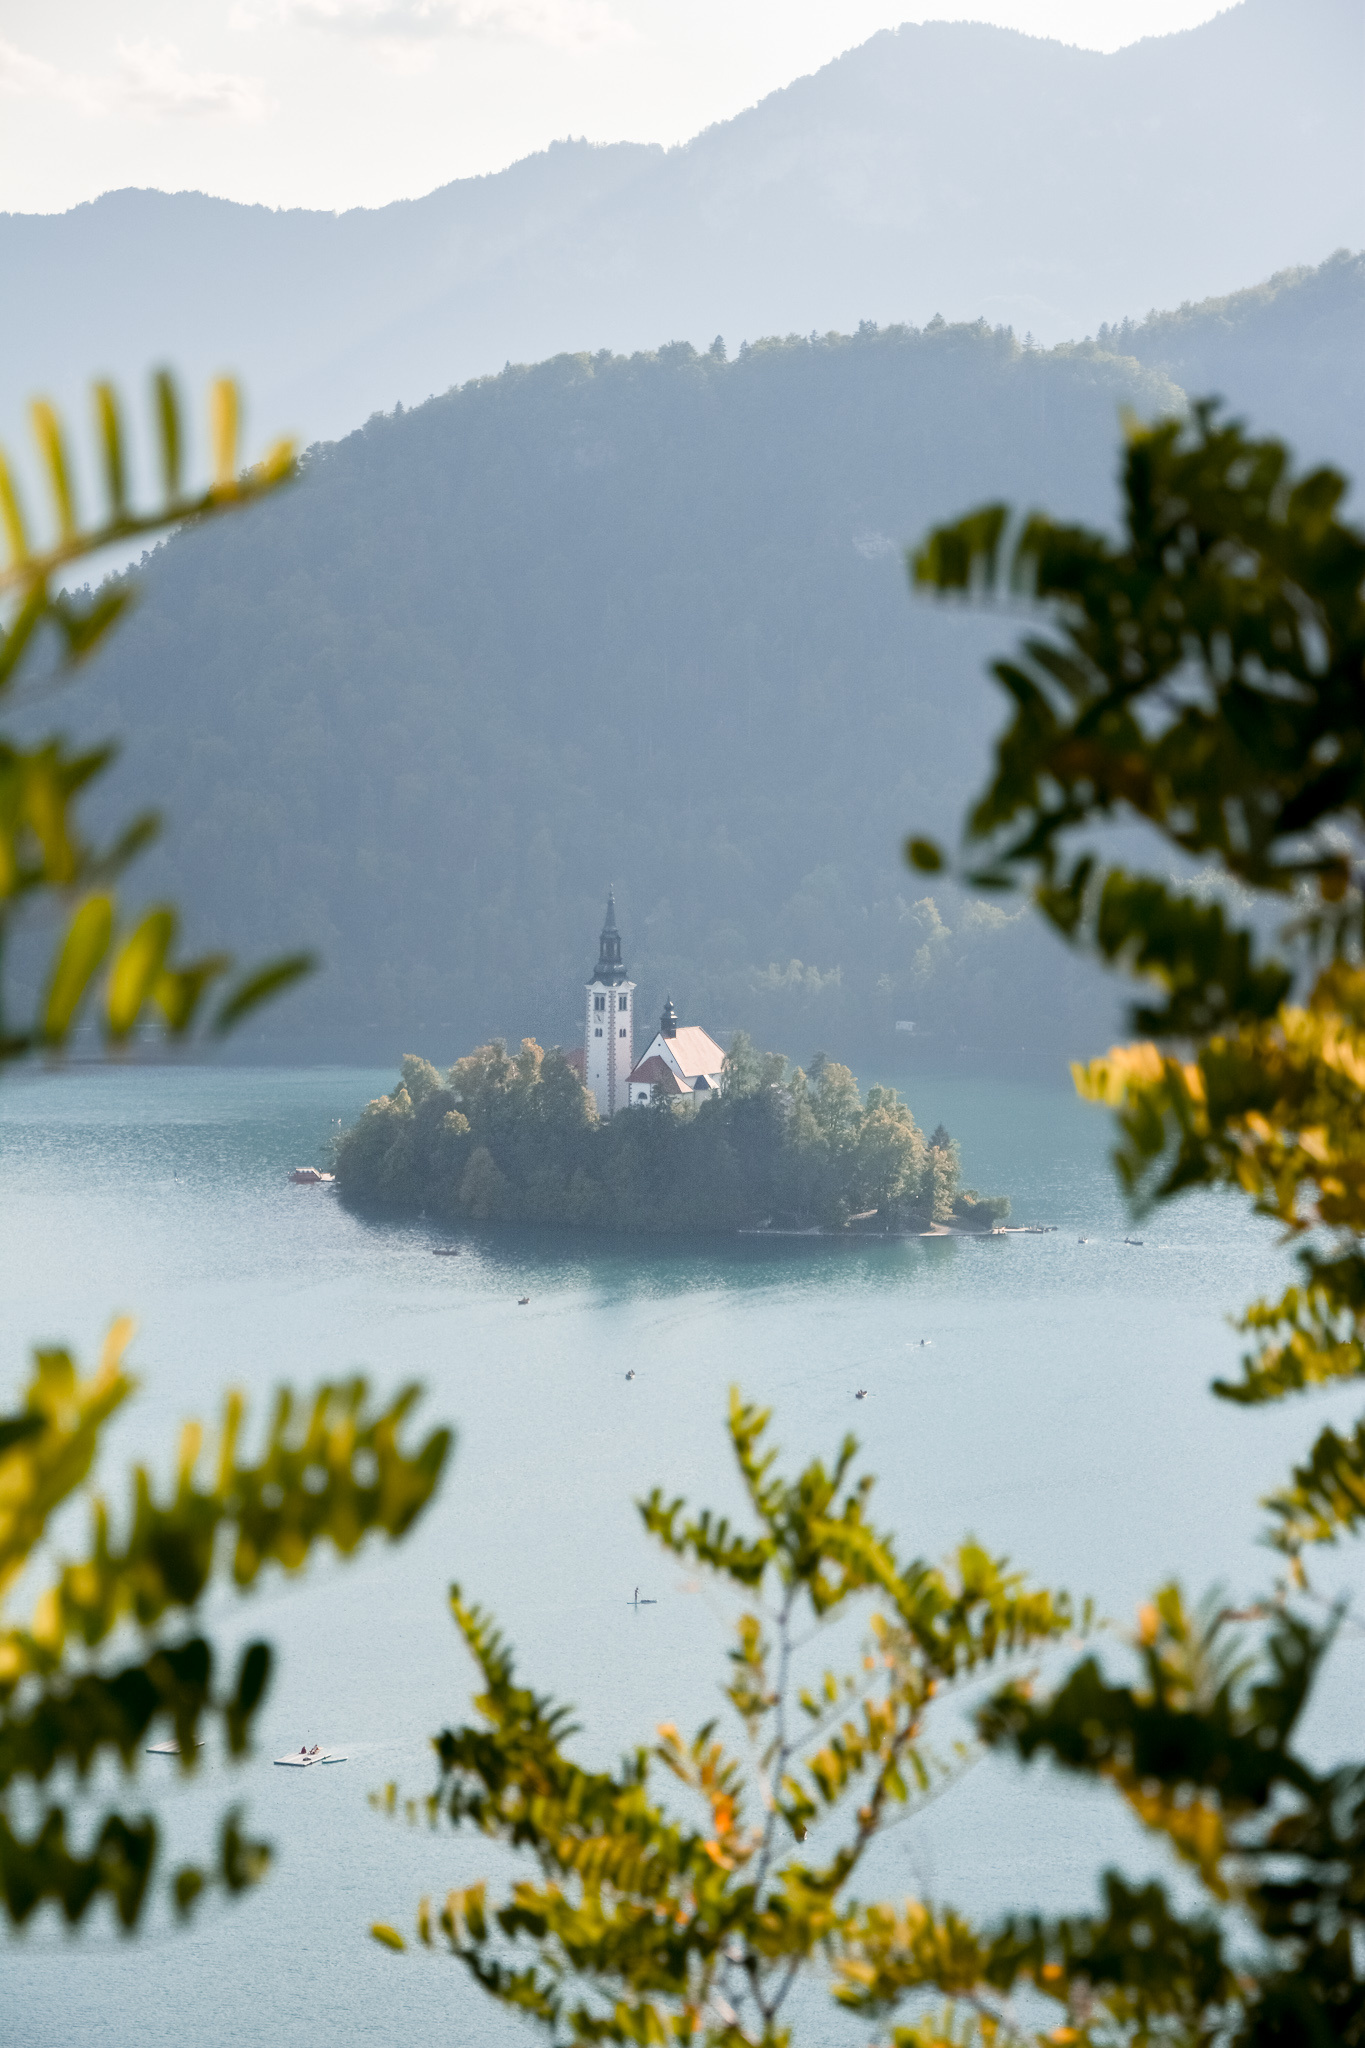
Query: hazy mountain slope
x=1290 y=354
x=641 y=620
x=953 y=168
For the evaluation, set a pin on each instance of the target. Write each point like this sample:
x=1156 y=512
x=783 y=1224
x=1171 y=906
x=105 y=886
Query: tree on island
x=1204 y=674
x=331 y=1469
x=515 y=1137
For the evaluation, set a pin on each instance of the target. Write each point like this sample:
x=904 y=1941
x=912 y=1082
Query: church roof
x=659 y=1073
x=695 y=1051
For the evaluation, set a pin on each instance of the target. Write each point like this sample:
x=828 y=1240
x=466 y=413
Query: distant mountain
x=641 y=620
x=950 y=168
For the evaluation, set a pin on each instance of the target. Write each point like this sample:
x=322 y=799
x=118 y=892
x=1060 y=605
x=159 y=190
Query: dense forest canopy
x=641 y=620
x=516 y=1138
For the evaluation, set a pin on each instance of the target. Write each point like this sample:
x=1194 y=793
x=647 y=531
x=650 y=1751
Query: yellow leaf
x=224 y=414
x=135 y=971
x=82 y=954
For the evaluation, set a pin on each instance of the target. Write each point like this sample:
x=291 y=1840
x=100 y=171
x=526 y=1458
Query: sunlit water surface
x=1059 y=1411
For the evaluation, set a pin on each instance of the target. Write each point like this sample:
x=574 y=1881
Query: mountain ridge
x=951 y=168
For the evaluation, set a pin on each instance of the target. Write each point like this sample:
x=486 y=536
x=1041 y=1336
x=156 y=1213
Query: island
x=517 y=1137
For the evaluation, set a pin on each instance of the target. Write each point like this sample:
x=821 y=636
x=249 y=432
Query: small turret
x=668 y=1023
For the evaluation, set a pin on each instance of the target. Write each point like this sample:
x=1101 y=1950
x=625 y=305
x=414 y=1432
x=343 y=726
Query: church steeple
x=668 y=1023
x=609 y=968
x=609 y=1029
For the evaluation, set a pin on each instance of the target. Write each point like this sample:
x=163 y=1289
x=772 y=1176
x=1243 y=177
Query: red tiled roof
x=659 y=1073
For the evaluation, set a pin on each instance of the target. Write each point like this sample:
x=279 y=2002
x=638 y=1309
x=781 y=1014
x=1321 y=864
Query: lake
x=1059 y=1411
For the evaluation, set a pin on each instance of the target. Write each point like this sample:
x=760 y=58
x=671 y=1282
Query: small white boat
x=300 y=1759
x=167 y=1748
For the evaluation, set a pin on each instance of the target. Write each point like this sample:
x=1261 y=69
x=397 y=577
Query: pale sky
x=339 y=103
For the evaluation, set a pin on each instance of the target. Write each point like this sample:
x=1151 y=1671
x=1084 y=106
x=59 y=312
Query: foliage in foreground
x=644 y=1927
x=1206 y=675
x=45 y=858
x=332 y=1471
x=516 y=1137
x=109 y=1655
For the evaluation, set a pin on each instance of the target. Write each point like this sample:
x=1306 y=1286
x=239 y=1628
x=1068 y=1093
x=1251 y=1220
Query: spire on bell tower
x=609 y=968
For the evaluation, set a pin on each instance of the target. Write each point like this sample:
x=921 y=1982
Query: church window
x=598 y=1032
x=599 y=1002
x=620 y=1002
x=623 y=1031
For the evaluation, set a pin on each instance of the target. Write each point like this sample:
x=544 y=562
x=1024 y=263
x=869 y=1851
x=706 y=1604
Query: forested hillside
x=636 y=620
x=942 y=167
x=1289 y=354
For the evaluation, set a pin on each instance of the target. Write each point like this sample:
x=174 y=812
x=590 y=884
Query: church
x=681 y=1059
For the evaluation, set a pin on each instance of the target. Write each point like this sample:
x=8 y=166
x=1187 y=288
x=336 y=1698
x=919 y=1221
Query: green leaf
x=179 y=991
x=962 y=556
x=1325 y=1499
x=40 y=1867
x=260 y=987
x=167 y=407
x=73 y=1720
x=22 y=628
x=84 y=625
x=110 y=429
x=17 y=1429
x=924 y=855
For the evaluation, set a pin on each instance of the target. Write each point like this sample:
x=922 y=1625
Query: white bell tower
x=609 y=1030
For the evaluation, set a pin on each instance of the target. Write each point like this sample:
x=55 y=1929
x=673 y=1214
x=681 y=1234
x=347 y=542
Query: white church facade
x=681 y=1060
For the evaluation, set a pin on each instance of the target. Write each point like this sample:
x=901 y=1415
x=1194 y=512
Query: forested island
x=515 y=1137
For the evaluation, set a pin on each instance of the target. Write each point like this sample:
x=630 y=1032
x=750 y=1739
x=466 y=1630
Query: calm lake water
x=1059 y=1412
